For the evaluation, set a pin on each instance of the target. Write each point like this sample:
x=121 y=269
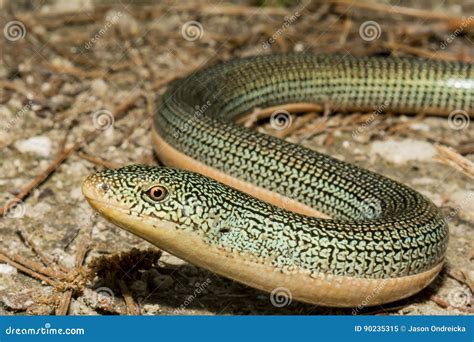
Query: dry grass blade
x=451 y=158
x=132 y=306
x=392 y=9
x=98 y=161
x=26 y=270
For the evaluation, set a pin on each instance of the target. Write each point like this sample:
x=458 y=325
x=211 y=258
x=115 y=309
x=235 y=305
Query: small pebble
x=99 y=87
x=7 y=269
x=39 y=145
x=420 y=127
x=402 y=151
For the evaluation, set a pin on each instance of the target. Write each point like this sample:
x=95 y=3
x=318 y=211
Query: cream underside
x=322 y=289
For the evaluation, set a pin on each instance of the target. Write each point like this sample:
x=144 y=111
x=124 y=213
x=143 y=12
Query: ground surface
x=67 y=74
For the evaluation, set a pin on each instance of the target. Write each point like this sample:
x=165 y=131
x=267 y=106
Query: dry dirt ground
x=78 y=84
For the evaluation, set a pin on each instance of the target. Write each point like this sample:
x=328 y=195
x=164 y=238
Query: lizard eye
x=157 y=193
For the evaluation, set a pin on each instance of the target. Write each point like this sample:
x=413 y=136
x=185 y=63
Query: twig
x=445 y=305
x=74 y=71
x=26 y=189
x=98 y=161
x=346 y=29
x=64 y=303
x=132 y=307
x=465 y=148
x=391 y=9
x=37 y=267
x=468 y=277
x=440 y=301
x=26 y=270
x=456 y=275
x=82 y=249
x=36 y=36
x=27 y=93
x=243 y=10
x=118 y=113
x=445 y=56
x=81 y=252
x=449 y=157
x=298 y=124
x=384 y=311
x=403 y=126
x=43 y=257
x=249 y=119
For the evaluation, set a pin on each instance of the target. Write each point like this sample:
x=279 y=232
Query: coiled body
x=404 y=227
x=380 y=232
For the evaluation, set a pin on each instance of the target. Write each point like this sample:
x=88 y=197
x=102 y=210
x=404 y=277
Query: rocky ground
x=78 y=85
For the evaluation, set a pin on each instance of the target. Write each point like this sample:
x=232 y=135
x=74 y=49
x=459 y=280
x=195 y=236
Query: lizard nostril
x=103 y=186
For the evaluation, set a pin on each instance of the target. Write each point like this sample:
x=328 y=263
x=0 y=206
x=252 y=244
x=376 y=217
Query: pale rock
x=299 y=47
x=402 y=151
x=45 y=87
x=30 y=79
x=68 y=260
x=67 y=6
x=7 y=269
x=59 y=184
x=420 y=127
x=76 y=194
x=172 y=260
x=39 y=145
x=99 y=87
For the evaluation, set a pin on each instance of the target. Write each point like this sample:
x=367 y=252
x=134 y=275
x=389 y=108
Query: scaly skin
x=381 y=232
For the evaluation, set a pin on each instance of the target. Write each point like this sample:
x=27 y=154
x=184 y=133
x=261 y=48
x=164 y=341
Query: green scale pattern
x=380 y=228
